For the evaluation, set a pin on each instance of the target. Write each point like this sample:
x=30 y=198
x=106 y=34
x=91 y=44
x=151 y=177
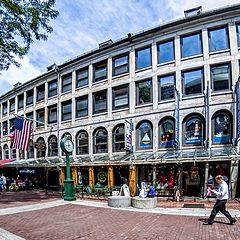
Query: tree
x=21 y=22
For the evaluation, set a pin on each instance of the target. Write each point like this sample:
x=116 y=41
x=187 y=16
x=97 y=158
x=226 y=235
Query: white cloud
x=23 y=74
x=82 y=25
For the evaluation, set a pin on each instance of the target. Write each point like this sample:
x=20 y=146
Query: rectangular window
x=52 y=88
x=120 y=97
x=29 y=115
x=100 y=71
x=52 y=114
x=40 y=92
x=5 y=128
x=12 y=105
x=40 y=117
x=11 y=125
x=67 y=83
x=191 y=45
x=5 y=109
x=218 y=39
x=29 y=97
x=20 y=101
x=67 y=110
x=166 y=87
x=82 y=77
x=82 y=106
x=120 y=65
x=143 y=58
x=221 y=77
x=238 y=34
x=100 y=102
x=144 y=92
x=165 y=51
x=193 y=82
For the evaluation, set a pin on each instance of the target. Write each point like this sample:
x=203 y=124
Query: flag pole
x=30 y=119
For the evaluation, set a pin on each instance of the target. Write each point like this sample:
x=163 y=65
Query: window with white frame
x=144 y=135
x=166 y=87
x=67 y=110
x=120 y=96
x=29 y=97
x=41 y=92
x=52 y=88
x=82 y=142
x=67 y=83
x=82 y=106
x=143 y=58
x=119 y=138
x=52 y=114
x=100 y=141
x=100 y=102
x=221 y=77
x=165 y=51
x=82 y=77
x=120 y=64
x=144 y=92
x=99 y=71
x=52 y=146
x=218 y=39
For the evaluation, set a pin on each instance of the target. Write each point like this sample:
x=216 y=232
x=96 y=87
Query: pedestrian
x=220 y=205
x=4 y=181
x=1 y=184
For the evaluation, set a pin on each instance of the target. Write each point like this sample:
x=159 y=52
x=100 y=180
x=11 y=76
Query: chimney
x=193 y=12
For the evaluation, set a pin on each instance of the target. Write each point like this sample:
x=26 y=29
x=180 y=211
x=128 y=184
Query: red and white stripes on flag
x=21 y=134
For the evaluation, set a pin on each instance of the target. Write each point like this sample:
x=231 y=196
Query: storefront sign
x=128 y=135
x=40 y=146
x=26 y=170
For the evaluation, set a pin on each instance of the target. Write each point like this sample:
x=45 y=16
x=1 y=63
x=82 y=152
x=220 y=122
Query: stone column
x=233 y=179
x=206 y=179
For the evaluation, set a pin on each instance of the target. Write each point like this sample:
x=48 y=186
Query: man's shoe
x=207 y=223
x=233 y=221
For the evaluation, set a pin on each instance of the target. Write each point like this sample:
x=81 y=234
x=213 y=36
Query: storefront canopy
x=3 y=162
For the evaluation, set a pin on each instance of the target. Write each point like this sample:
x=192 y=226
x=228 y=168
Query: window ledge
x=62 y=94
x=52 y=97
x=120 y=109
x=223 y=92
x=167 y=101
x=120 y=75
x=165 y=63
x=191 y=57
x=80 y=118
x=79 y=88
x=201 y=95
x=219 y=52
x=144 y=105
x=99 y=82
x=66 y=121
x=99 y=114
x=143 y=69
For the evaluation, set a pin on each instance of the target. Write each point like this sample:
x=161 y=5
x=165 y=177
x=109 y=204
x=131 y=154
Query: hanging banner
x=237 y=91
x=177 y=109
x=128 y=135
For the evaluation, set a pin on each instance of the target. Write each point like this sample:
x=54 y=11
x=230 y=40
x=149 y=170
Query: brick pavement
x=73 y=221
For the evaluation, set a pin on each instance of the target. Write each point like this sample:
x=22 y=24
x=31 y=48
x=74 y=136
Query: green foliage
x=22 y=21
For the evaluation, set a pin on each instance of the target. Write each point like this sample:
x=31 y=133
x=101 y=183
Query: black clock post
x=69 y=190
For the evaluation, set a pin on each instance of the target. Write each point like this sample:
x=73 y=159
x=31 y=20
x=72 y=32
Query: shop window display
x=166 y=133
x=193 y=131
x=166 y=180
x=144 y=135
x=222 y=129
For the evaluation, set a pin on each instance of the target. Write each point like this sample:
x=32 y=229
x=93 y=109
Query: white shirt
x=222 y=192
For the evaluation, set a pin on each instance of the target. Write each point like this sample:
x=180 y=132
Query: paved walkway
x=60 y=219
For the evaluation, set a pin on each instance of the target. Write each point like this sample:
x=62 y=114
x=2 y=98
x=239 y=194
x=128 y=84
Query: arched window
x=193 y=127
x=82 y=142
x=166 y=133
x=6 y=151
x=100 y=139
x=118 y=138
x=222 y=128
x=52 y=146
x=41 y=148
x=1 y=156
x=144 y=135
x=13 y=153
x=30 y=153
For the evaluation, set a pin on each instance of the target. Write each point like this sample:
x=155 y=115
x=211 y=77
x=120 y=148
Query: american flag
x=21 y=134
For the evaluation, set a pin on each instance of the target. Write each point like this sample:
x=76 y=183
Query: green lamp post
x=69 y=190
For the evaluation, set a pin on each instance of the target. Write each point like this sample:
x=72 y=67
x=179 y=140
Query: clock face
x=68 y=145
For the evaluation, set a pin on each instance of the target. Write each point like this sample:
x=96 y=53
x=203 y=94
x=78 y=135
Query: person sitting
x=151 y=191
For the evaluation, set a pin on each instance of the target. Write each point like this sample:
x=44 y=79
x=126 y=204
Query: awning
x=2 y=162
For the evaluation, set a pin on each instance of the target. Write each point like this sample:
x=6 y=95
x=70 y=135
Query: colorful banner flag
x=128 y=135
x=21 y=134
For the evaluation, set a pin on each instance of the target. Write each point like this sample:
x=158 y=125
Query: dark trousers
x=220 y=205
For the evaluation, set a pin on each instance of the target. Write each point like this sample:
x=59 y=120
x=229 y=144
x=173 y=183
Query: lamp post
x=69 y=190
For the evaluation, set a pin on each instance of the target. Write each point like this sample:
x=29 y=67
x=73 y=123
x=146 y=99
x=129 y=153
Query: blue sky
x=82 y=25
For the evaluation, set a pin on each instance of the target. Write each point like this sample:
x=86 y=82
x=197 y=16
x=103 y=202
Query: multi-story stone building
x=175 y=85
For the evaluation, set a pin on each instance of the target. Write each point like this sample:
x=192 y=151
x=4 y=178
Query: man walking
x=220 y=205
